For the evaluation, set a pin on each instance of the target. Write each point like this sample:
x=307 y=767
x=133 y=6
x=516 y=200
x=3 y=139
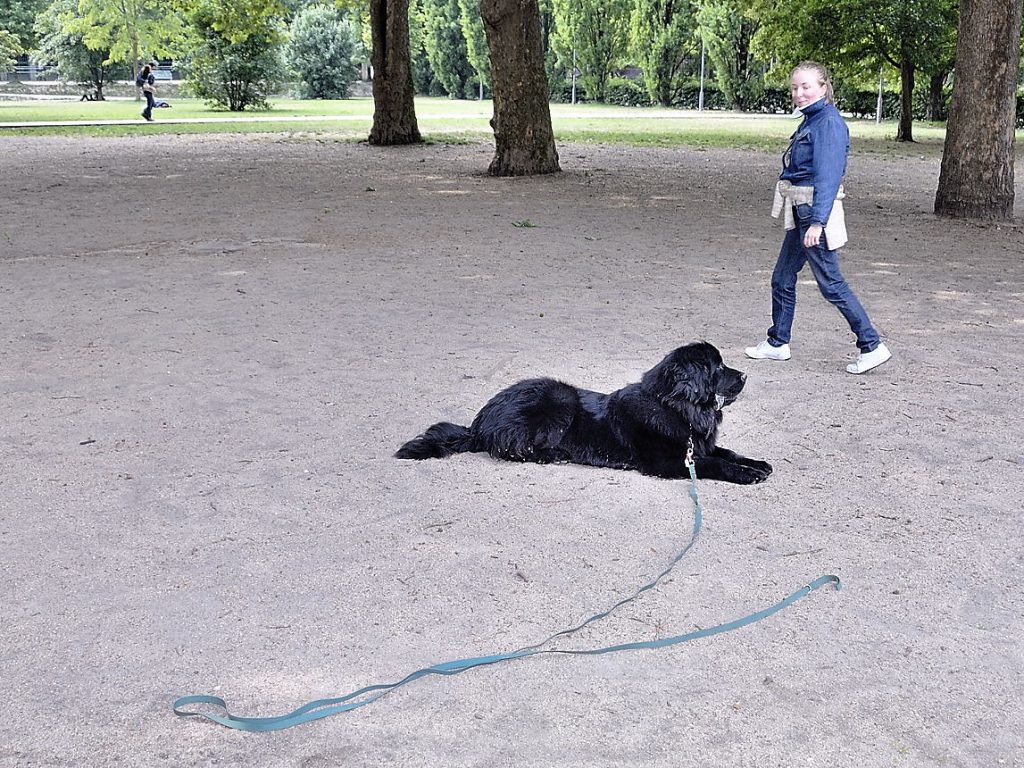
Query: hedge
x=772 y=100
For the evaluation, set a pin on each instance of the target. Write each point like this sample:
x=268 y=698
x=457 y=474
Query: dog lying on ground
x=645 y=426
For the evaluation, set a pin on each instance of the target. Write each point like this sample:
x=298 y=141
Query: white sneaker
x=765 y=351
x=868 y=360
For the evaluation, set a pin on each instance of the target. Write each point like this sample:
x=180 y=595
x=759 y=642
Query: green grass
x=128 y=109
x=452 y=121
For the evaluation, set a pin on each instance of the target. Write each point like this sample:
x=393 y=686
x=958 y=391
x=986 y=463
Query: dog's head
x=694 y=375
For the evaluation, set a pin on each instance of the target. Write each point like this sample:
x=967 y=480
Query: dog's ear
x=692 y=383
x=678 y=380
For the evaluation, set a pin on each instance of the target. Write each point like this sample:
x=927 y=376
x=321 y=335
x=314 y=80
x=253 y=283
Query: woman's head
x=808 y=82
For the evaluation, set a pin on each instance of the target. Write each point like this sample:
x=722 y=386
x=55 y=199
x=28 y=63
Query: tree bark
x=936 y=107
x=905 y=131
x=394 y=114
x=523 y=138
x=976 y=180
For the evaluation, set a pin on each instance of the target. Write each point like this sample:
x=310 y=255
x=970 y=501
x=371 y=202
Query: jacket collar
x=812 y=109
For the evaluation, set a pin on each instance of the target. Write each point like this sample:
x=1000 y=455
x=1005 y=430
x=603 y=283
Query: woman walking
x=810 y=194
x=147 y=82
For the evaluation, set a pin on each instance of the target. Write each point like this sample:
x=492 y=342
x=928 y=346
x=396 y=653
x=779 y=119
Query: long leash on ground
x=321 y=708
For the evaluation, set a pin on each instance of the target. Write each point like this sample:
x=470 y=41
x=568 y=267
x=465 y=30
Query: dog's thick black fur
x=644 y=426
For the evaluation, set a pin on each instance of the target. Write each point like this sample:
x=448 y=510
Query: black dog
x=644 y=427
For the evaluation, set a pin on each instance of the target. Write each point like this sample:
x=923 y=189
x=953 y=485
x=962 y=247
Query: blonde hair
x=822 y=74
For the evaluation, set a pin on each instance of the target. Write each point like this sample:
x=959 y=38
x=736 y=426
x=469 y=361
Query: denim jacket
x=817 y=156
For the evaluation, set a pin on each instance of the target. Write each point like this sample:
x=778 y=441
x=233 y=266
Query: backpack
x=140 y=80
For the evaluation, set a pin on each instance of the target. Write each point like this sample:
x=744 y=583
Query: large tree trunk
x=394 y=114
x=905 y=132
x=976 y=180
x=523 y=139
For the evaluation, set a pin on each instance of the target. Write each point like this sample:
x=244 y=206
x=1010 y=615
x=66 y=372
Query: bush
x=625 y=93
x=320 y=52
x=689 y=97
x=235 y=75
x=865 y=103
x=560 y=92
x=773 y=100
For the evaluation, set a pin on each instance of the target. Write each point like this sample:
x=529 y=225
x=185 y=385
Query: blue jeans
x=825 y=266
x=148 y=111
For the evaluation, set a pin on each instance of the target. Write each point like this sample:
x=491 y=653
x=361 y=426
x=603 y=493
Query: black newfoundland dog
x=644 y=427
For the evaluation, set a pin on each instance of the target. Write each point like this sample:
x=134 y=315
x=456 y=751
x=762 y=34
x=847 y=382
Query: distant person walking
x=810 y=193
x=147 y=82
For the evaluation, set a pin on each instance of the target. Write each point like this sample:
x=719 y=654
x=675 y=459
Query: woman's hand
x=813 y=236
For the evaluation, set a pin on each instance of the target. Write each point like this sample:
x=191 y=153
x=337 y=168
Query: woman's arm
x=831 y=143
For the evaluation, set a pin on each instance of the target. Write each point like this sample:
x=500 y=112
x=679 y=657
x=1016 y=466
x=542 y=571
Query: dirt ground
x=211 y=347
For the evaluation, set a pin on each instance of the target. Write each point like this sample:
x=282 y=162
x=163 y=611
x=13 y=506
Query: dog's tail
x=439 y=441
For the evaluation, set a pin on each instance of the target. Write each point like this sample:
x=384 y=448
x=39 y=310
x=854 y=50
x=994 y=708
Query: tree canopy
x=10 y=48
x=855 y=37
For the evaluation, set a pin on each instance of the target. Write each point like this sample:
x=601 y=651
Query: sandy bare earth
x=212 y=346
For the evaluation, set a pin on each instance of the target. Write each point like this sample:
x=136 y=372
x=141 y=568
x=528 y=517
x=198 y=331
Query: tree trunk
x=665 y=77
x=394 y=114
x=138 y=66
x=936 y=107
x=905 y=132
x=523 y=138
x=976 y=180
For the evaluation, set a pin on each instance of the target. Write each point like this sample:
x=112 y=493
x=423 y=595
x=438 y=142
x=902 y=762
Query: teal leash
x=321 y=708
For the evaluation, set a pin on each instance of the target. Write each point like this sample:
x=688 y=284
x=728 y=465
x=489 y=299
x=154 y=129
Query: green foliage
x=626 y=93
x=10 y=49
x=235 y=76
x=57 y=42
x=770 y=100
x=18 y=18
x=423 y=80
x=359 y=17
x=236 y=21
x=446 y=48
x=688 y=96
x=853 y=37
x=557 y=75
x=598 y=32
x=662 y=37
x=320 y=51
x=560 y=92
x=864 y=103
x=129 y=30
x=476 y=40
x=727 y=28
x=236 y=59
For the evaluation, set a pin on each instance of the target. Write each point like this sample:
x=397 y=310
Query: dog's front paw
x=746 y=474
x=761 y=466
